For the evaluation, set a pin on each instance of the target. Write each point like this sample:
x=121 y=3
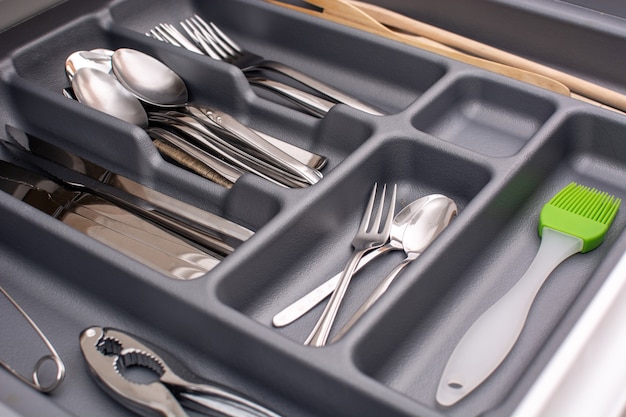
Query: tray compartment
x=268 y=30
x=558 y=34
x=485 y=116
x=315 y=243
x=408 y=346
x=64 y=297
x=333 y=139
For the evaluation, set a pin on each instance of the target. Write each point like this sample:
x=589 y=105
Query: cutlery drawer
x=498 y=147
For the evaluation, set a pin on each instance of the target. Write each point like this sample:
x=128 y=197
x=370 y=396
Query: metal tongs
x=109 y=352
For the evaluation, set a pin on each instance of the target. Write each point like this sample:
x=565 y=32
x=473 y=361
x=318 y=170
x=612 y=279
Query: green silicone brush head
x=582 y=212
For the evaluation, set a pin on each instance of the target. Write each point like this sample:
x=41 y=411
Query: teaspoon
x=99 y=59
x=100 y=91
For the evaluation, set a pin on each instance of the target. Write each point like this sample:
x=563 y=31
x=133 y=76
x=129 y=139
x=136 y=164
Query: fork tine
x=171 y=33
x=375 y=226
x=200 y=40
x=217 y=47
x=221 y=35
x=213 y=28
x=191 y=32
x=390 y=214
x=153 y=34
x=158 y=33
x=228 y=46
x=166 y=33
x=211 y=48
x=365 y=220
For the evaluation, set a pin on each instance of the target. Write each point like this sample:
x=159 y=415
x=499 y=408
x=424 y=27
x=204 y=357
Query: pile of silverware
x=166 y=234
x=170 y=236
x=143 y=91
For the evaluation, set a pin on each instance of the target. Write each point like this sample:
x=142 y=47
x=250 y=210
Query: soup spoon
x=100 y=91
x=99 y=59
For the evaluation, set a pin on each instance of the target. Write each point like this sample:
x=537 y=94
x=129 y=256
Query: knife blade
x=157 y=238
x=147 y=255
x=158 y=213
x=175 y=259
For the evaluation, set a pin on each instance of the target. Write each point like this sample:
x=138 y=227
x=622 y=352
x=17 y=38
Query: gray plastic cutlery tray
x=499 y=148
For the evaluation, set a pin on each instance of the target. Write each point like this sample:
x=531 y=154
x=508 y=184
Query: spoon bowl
x=404 y=217
x=97 y=59
x=427 y=223
x=148 y=78
x=100 y=91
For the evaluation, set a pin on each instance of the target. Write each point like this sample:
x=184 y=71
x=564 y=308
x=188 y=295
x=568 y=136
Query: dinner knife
x=201 y=219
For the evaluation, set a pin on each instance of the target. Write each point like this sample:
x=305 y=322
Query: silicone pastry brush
x=574 y=220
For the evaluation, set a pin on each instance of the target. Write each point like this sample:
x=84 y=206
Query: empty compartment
x=485 y=116
x=408 y=347
x=314 y=243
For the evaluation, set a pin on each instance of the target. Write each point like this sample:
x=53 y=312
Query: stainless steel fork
x=369 y=236
x=309 y=103
x=210 y=40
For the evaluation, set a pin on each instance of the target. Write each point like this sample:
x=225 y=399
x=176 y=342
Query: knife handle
x=192 y=163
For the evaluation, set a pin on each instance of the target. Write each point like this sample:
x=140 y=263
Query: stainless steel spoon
x=301 y=306
x=425 y=225
x=100 y=91
x=148 y=79
x=153 y=82
x=97 y=59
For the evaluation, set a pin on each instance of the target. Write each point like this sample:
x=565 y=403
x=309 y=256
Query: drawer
x=498 y=147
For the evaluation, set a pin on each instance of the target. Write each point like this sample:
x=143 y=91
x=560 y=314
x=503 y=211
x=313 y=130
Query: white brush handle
x=491 y=337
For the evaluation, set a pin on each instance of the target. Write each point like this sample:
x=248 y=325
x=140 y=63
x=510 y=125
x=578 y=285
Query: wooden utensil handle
x=578 y=85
